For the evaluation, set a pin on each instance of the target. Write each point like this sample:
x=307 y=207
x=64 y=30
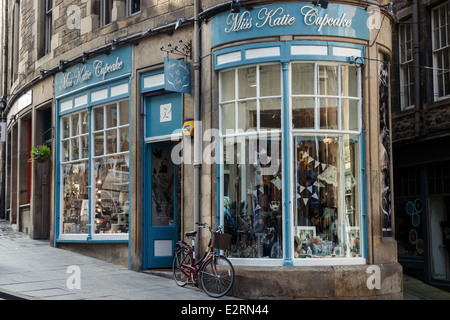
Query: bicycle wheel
x=181 y=257
x=217 y=276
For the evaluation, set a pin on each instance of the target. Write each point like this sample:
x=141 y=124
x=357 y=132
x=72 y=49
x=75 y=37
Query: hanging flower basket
x=40 y=154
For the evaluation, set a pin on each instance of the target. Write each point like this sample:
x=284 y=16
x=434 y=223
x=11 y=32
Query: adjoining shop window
x=104 y=154
x=325 y=108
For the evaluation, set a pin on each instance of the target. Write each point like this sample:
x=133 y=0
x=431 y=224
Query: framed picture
x=305 y=233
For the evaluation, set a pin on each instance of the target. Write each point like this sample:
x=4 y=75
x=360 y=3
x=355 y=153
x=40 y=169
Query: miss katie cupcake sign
x=291 y=19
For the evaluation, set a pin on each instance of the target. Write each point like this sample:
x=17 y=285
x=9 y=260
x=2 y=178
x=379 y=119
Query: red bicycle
x=216 y=271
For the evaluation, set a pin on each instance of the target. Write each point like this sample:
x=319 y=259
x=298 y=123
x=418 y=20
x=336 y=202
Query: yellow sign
x=188 y=128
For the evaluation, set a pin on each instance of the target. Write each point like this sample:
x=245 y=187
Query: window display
x=326 y=185
x=327 y=215
x=108 y=188
x=252 y=197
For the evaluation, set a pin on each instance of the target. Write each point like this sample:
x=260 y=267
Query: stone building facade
x=271 y=119
x=420 y=135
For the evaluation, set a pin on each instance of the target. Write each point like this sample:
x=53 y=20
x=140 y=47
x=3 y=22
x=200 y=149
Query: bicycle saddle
x=190 y=233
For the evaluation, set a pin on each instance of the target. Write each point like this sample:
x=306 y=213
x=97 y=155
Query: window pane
x=326 y=214
x=111 y=178
x=303 y=78
x=84 y=122
x=75 y=127
x=75 y=149
x=98 y=144
x=111 y=142
x=253 y=197
x=228 y=118
x=227 y=89
x=270 y=113
x=247 y=116
x=303 y=113
x=247 y=82
x=98 y=118
x=328 y=80
x=328 y=113
x=65 y=150
x=111 y=115
x=85 y=147
x=349 y=114
x=124 y=139
x=65 y=127
x=124 y=113
x=349 y=81
x=75 y=198
x=270 y=80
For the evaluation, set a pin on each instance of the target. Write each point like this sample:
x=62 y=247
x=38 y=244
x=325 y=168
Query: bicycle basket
x=220 y=240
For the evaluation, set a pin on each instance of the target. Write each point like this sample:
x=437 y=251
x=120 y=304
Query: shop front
x=92 y=194
x=292 y=176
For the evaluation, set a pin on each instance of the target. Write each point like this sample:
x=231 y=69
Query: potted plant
x=40 y=154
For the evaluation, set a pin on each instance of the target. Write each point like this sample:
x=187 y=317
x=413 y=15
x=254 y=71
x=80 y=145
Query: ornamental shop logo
x=278 y=18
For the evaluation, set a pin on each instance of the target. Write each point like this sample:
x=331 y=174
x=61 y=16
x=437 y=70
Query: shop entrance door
x=160 y=202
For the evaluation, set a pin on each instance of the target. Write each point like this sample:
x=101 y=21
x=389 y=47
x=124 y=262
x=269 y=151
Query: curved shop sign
x=96 y=70
x=290 y=19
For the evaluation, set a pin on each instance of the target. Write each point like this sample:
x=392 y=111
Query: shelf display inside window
x=252 y=202
x=327 y=219
x=111 y=195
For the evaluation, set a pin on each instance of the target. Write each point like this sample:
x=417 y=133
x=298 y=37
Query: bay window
x=324 y=102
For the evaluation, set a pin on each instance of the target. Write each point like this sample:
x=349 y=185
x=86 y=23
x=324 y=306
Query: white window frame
x=438 y=48
x=406 y=69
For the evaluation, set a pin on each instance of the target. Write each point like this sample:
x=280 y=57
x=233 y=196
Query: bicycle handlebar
x=205 y=225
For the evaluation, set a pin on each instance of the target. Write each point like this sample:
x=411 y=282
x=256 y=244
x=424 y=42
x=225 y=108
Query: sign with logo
x=95 y=70
x=177 y=75
x=291 y=18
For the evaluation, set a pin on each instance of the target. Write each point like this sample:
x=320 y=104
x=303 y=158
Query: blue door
x=160 y=205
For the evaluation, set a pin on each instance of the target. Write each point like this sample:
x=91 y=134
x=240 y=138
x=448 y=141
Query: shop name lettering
x=278 y=18
x=83 y=74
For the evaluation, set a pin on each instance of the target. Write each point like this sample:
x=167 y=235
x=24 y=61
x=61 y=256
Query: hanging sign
x=177 y=75
x=291 y=18
x=95 y=70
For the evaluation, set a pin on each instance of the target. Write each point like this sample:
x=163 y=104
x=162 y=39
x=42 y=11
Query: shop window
x=252 y=196
x=441 y=51
x=251 y=98
x=252 y=182
x=325 y=99
x=327 y=203
x=325 y=96
x=407 y=93
x=107 y=150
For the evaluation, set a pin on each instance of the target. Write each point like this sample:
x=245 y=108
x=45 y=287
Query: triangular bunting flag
x=305 y=200
x=305 y=155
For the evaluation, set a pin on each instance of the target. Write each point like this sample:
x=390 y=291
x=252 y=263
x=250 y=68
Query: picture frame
x=304 y=232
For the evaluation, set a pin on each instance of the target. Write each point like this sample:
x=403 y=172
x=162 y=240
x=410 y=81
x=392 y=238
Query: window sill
x=298 y=262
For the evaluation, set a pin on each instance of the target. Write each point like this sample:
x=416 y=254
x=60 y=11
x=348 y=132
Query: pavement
x=34 y=270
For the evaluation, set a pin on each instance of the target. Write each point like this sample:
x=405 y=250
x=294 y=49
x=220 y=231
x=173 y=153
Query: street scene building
x=127 y=121
x=420 y=129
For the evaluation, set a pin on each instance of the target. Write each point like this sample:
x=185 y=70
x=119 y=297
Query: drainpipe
x=416 y=50
x=197 y=123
